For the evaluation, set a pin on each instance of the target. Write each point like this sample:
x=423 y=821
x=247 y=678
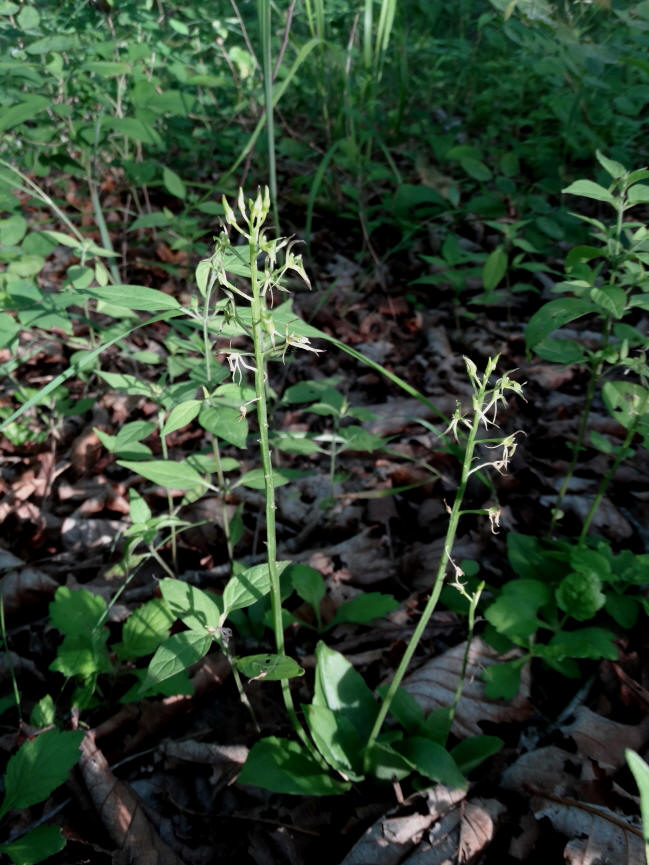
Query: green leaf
x=8 y=329
x=76 y=611
x=513 y=613
x=502 y=681
x=197 y=609
x=248 y=587
x=615 y=169
x=611 y=299
x=225 y=423
x=364 y=608
x=107 y=68
x=528 y=557
x=181 y=415
x=133 y=128
x=255 y=480
x=433 y=761
x=175 y=655
x=37 y=845
x=145 y=629
x=167 y=473
x=173 y=183
x=554 y=315
x=494 y=269
x=133 y=297
x=623 y=609
x=580 y=595
x=471 y=752
x=17 y=114
x=589 y=189
x=476 y=169
x=626 y=401
x=638 y=194
x=83 y=655
x=270 y=668
x=406 y=710
x=337 y=740
x=596 y=643
x=44 y=712
x=339 y=687
x=39 y=767
x=284 y=766
x=387 y=764
x=308 y=583
x=139 y=511
x=565 y=351
x=55 y=42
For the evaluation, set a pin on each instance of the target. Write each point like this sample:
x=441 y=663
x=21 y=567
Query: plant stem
x=258 y=305
x=455 y=514
x=606 y=480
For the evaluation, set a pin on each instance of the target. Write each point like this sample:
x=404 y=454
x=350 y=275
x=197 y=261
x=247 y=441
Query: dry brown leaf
x=394 y=835
x=80 y=534
x=434 y=684
x=121 y=811
x=477 y=827
x=598 y=836
x=366 y=559
x=603 y=740
x=25 y=586
x=548 y=770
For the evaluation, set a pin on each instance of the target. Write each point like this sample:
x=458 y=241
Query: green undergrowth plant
x=345 y=720
x=37 y=768
x=567 y=602
x=609 y=282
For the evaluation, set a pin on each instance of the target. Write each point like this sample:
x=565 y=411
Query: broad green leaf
x=107 y=68
x=611 y=299
x=336 y=739
x=308 y=583
x=197 y=609
x=37 y=845
x=476 y=169
x=133 y=297
x=8 y=329
x=638 y=194
x=39 y=767
x=244 y=589
x=513 y=613
x=589 y=189
x=474 y=750
x=623 y=609
x=174 y=686
x=76 y=611
x=284 y=766
x=406 y=710
x=173 y=183
x=167 y=473
x=17 y=114
x=364 y=608
x=83 y=655
x=580 y=595
x=157 y=219
x=528 y=557
x=433 y=761
x=133 y=128
x=269 y=668
x=342 y=689
x=615 y=169
x=128 y=383
x=495 y=267
x=387 y=764
x=145 y=629
x=626 y=401
x=225 y=423
x=596 y=643
x=12 y=230
x=255 y=479
x=565 y=351
x=181 y=415
x=502 y=681
x=56 y=42
x=44 y=712
x=176 y=654
x=554 y=315
x=139 y=511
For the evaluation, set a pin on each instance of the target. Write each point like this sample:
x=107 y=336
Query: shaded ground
x=65 y=502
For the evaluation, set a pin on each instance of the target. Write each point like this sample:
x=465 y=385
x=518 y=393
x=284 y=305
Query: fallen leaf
x=120 y=810
x=605 y=741
x=24 y=587
x=433 y=685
